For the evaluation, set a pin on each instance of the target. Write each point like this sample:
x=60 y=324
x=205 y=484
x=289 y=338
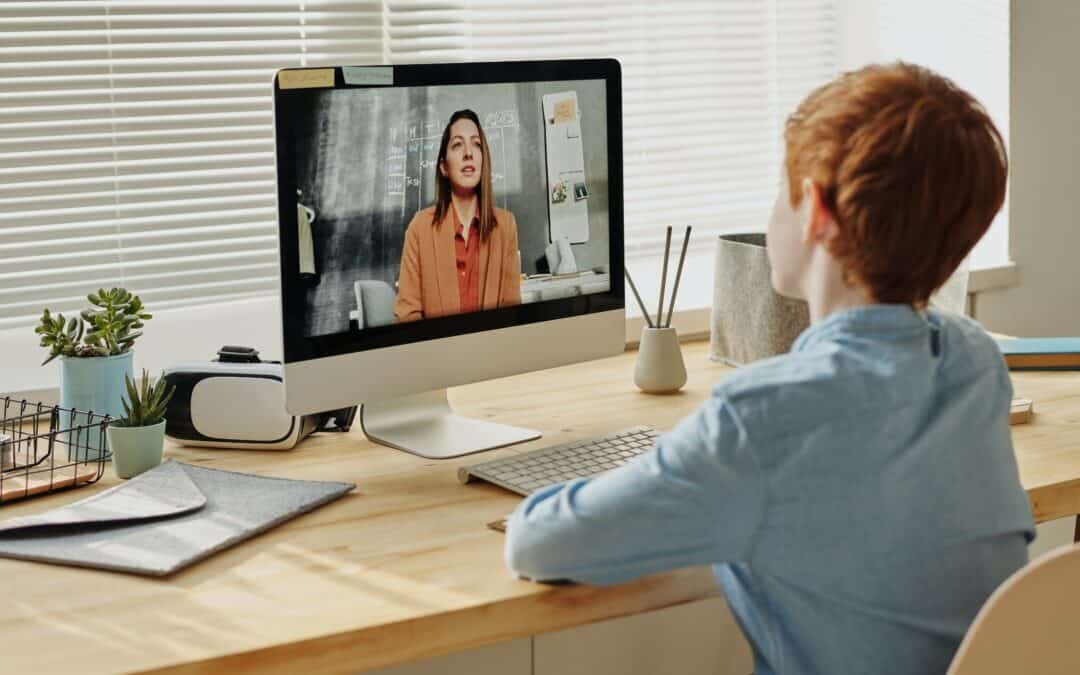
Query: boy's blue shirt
x=858 y=498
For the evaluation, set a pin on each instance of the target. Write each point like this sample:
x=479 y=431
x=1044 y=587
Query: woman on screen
x=460 y=254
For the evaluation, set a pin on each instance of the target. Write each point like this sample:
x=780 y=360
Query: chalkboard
x=366 y=162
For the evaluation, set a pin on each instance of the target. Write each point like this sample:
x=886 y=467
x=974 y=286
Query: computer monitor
x=441 y=225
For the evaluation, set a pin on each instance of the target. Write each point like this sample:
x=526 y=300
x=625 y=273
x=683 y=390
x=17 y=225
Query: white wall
x=171 y=337
x=967 y=41
x=1044 y=228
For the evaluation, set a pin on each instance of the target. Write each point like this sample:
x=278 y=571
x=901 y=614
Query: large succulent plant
x=109 y=327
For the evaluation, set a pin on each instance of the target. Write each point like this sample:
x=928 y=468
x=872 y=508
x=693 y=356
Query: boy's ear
x=819 y=225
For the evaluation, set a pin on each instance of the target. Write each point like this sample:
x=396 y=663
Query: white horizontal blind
x=136 y=143
x=706 y=88
x=967 y=41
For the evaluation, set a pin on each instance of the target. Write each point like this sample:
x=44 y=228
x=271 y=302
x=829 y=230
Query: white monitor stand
x=424 y=425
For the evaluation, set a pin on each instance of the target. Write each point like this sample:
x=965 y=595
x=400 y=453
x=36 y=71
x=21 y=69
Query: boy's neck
x=821 y=308
x=826 y=292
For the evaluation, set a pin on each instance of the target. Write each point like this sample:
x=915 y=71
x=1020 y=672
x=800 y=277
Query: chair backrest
x=374 y=302
x=1029 y=623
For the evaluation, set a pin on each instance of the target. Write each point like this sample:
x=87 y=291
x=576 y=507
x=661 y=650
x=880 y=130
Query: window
x=136 y=144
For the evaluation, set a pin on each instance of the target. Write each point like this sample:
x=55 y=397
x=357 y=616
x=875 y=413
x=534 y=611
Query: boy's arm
x=696 y=498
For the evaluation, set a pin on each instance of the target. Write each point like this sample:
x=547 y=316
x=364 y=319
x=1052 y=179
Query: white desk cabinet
x=700 y=638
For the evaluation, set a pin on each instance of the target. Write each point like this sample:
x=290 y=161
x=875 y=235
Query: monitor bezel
x=296 y=347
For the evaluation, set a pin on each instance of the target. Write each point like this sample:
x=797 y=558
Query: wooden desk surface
x=403 y=568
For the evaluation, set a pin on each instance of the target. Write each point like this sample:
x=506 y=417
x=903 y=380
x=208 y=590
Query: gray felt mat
x=164 y=519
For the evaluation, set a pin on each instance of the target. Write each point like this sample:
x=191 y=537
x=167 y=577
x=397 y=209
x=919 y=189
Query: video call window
x=422 y=202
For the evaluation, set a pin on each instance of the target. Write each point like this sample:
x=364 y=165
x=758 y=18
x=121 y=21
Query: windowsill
x=255 y=323
x=690 y=324
x=695 y=323
x=993 y=278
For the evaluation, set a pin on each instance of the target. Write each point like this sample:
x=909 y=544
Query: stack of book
x=1057 y=353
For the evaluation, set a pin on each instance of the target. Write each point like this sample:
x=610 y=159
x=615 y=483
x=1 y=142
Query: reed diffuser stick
x=678 y=276
x=663 y=280
x=644 y=312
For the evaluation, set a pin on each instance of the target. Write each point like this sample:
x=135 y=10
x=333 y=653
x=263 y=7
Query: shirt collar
x=457 y=221
x=885 y=321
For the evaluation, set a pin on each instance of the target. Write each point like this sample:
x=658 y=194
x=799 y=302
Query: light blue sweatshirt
x=858 y=498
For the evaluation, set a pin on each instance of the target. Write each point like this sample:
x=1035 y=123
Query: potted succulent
x=95 y=353
x=138 y=438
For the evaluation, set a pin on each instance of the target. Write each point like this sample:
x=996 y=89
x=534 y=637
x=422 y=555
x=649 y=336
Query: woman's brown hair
x=911 y=168
x=484 y=193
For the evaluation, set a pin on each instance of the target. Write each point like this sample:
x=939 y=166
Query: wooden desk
x=403 y=568
x=1048 y=449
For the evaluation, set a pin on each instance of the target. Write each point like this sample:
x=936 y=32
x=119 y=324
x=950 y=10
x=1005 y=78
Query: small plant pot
x=660 y=368
x=136 y=449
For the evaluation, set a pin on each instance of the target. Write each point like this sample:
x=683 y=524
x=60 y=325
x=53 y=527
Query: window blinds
x=136 y=143
x=706 y=89
x=136 y=140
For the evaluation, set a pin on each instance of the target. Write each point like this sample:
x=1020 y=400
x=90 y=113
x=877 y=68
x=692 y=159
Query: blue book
x=1056 y=353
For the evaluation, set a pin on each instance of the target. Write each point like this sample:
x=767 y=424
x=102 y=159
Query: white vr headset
x=238 y=401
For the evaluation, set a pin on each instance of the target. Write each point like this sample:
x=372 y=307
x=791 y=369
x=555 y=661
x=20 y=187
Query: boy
x=857 y=497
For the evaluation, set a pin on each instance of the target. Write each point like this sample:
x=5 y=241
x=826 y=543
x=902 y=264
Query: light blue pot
x=94 y=384
x=136 y=449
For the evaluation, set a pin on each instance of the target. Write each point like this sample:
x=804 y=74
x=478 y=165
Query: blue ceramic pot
x=94 y=384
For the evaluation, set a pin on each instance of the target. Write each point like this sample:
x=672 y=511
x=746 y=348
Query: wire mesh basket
x=45 y=448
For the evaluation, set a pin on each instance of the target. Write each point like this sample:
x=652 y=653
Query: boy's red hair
x=910 y=166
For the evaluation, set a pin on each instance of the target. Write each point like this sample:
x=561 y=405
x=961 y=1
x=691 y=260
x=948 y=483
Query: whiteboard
x=567 y=193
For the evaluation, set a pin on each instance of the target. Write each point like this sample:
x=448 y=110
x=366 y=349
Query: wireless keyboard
x=533 y=470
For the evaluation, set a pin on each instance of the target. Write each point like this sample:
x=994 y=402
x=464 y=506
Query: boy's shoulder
x=971 y=329
x=794 y=368
x=967 y=343
x=828 y=381
x=792 y=391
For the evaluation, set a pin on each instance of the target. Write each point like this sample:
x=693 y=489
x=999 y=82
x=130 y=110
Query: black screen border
x=297 y=347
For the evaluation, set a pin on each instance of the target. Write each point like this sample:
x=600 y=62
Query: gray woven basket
x=750 y=320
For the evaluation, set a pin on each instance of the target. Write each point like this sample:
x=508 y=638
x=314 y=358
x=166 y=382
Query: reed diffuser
x=659 y=368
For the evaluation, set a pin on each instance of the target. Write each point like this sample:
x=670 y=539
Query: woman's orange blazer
x=427 y=283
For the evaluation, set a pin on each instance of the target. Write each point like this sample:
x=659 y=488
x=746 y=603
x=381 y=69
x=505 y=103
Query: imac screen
x=419 y=202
